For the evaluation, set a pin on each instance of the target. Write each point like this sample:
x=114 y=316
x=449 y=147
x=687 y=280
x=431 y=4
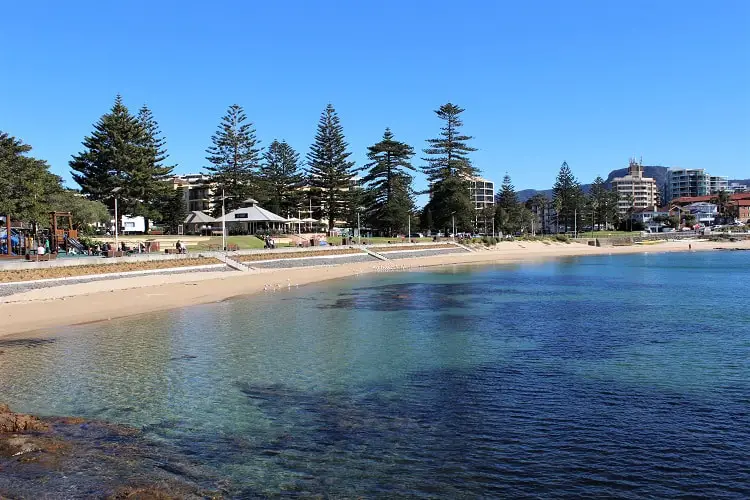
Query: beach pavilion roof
x=251 y=214
x=198 y=217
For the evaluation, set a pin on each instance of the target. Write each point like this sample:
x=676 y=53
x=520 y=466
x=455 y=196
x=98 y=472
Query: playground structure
x=14 y=242
x=63 y=236
x=17 y=242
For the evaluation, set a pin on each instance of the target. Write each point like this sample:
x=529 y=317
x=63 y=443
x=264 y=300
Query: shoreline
x=36 y=312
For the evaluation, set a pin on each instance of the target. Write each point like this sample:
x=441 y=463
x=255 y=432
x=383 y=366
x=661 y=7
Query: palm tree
x=724 y=203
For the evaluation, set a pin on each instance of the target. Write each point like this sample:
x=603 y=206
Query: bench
x=43 y=257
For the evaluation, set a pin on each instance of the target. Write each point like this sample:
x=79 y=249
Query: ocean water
x=601 y=377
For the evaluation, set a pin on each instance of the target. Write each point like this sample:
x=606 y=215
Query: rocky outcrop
x=17 y=422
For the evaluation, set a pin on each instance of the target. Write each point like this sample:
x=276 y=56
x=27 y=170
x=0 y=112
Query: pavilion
x=199 y=223
x=251 y=218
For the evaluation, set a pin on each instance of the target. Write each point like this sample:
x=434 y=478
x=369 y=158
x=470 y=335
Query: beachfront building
x=740 y=202
x=647 y=215
x=692 y=182
x=635 y=190
x=198 y=192
x=705 y=213
x=251 y=219
x=482 y=193
x=314 y=209
x=546 y=215
x=198 y=222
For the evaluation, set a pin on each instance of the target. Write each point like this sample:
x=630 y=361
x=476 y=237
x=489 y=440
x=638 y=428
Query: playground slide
x=76 y=244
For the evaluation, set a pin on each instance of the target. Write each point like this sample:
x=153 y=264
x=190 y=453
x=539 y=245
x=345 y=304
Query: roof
x=198 y=217
x=251 y=214
x=693 y=199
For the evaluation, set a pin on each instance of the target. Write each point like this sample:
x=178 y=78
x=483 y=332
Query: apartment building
x=198 y=192
x=482 y=192
x=642 y=191
x=684 y=182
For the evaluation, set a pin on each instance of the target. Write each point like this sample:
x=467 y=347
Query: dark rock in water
x=184 y=356
x=75 y=458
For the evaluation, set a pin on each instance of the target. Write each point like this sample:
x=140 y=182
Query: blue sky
x=588 y=82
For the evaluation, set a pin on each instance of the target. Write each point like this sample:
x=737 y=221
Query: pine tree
x=114 y=157
x=281 y=178
x=330 y=172
x=449 y=171
x=507 y=211
x=172 y=209
x=598 y=200
x=390 y=202
x=235 y=159
x=568 y=198
x=150 y=180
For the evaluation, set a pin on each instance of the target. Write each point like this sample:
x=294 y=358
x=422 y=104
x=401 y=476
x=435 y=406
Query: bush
x=562 y=238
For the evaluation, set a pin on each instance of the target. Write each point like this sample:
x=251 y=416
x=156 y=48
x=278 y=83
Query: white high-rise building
x=634 y=187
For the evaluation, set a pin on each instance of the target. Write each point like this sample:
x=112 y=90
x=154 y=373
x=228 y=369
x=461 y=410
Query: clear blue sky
x=588 y=82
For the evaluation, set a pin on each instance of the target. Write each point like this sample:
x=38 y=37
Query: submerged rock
x=59 y=457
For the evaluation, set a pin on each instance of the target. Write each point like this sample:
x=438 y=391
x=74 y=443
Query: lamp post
x=453 y=220
x=359 y=229
x=117 y=221
x=408 y=231
x=223 y=222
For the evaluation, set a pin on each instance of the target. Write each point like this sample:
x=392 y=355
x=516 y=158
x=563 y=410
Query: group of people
x=270 y=243
x=181 y=247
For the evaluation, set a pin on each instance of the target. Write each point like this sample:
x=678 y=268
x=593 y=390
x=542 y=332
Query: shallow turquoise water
x=616 y=376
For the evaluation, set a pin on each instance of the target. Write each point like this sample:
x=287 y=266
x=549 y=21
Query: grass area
x=243 y=243
x=296 y=255
x=18 y=275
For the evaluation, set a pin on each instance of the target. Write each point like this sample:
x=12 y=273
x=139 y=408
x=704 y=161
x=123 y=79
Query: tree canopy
x=388 y=182
x=449 y=172
x=330 y=172
x=235 y=159
x=26 y=184
x=281 y=177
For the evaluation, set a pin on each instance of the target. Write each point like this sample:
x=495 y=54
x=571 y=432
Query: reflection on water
x=608 y=377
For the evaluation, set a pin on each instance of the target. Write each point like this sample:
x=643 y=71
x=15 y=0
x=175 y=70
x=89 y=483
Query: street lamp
x=359 y=228
x=117 y=222
x=453 y=219
x=223 y=221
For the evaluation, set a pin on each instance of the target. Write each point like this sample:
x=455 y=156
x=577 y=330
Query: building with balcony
x=482 y=192
x=686 y=182
x=198 y=192
x=635 y=190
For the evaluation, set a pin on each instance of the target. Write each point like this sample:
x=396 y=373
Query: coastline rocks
x=17 y=422
x=69 y=457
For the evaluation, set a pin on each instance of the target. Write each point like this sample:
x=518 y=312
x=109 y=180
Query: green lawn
x=243 y=242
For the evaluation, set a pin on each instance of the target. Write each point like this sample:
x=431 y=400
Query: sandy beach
x=58 y=306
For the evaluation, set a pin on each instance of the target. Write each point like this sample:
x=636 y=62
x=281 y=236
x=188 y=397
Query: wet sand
x=58 y=306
